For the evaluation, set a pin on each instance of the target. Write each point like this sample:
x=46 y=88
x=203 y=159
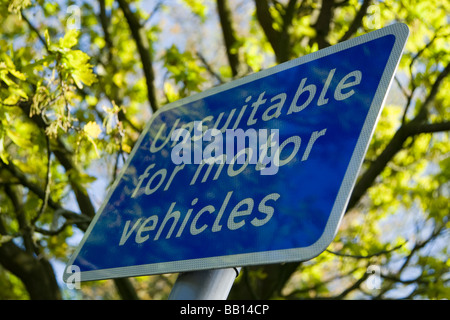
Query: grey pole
x=204 y=285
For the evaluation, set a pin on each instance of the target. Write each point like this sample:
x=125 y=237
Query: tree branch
x=229 y=36
x=323 y=23
x=82 y=220
x=57 y=231
x=366 y=256
x=411 y=74
x=36 y=31
x=104 y=21
x=279 y=40
x=116 y=95
x=429 y=128
x=209 y=68
x=357 y=21
x=47 y=184
x=266 y=21
x=289 y=14
x=284 y=41
x=423 y=112
x=24 y=226
x=295 y=294
x=123 y=285
x=416 y=126
x=397 y=275
x=354 y=286
x=36 y=273
x=377 y=166
x=141 y=40
x=64 y=157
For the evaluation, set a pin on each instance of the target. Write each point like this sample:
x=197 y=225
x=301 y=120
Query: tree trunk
x=36 y=273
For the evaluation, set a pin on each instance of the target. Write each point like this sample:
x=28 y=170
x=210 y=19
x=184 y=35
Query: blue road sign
x=255 y=171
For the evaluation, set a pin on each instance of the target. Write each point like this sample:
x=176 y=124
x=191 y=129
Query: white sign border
x=401 y=33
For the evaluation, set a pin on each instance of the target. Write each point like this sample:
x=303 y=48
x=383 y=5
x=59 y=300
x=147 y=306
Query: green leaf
x=19 y=75
x=198 y=7
x=3 y=154
x=92 y=129
x=5 y=78
x=16 y=6
x=4 y=239
x=21 y=136
x=80 y=69
x=12 y=99
x=70 y=39
x=47 y=38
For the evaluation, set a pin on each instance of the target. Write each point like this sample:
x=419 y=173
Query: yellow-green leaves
x=92 y=129
x=3 y=153
x=170 y=92
x=76 y=62
x=185 y=70
x=198 y=7
x=16 y=6
x=69 y=40
x=11 y=78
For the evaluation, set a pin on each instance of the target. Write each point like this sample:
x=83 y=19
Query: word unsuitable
x=305 y=94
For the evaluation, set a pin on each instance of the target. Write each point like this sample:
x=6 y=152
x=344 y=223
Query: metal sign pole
x=204 y=285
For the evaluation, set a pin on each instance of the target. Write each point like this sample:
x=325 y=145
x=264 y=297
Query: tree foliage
x=79 y=80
